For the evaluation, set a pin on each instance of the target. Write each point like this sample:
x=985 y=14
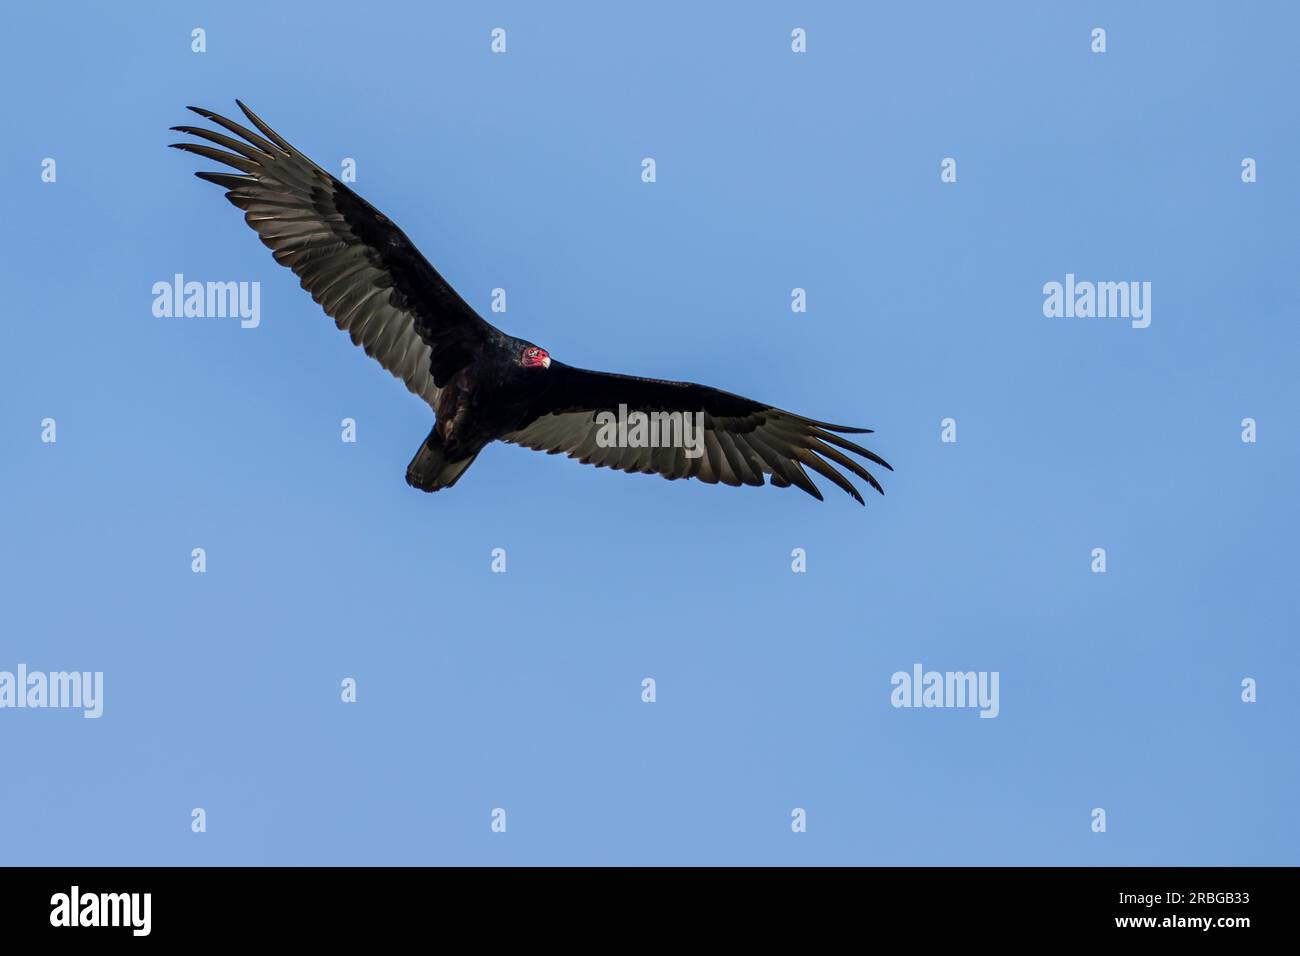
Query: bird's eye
x=532 y=353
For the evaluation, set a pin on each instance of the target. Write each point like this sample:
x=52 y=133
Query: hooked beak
x=546 y=361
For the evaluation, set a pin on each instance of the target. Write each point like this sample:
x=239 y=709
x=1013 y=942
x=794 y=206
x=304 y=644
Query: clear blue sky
x=523 y=690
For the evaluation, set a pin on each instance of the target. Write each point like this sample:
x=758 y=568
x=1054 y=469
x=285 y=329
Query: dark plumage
x=483 y=384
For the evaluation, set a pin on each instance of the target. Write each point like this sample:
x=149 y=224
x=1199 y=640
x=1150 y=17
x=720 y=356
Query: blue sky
x=522 y=690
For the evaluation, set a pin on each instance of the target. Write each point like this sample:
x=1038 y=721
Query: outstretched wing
x=365 y=273
x=743 y=440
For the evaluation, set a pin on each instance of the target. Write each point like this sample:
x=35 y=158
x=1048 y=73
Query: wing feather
x=744 y=441
x=358 y=266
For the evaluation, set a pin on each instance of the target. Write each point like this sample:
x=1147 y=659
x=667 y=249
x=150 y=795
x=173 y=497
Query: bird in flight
x=482 y=384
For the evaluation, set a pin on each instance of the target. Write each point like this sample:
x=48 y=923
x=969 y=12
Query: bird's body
x=483 y=384
x=481 y=403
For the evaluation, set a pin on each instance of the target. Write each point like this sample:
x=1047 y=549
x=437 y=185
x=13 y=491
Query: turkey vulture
x=482 y=384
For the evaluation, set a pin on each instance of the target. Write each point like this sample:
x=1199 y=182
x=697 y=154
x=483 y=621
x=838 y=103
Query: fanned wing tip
x=846 y=429
x=272 y=149
x=825 y=436
x=226 y=180
x=825 y=441
x=206 y=114
x=806 y=486
x=269 y=133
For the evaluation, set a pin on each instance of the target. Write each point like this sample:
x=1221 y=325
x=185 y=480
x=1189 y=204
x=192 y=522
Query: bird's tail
x=432 y=470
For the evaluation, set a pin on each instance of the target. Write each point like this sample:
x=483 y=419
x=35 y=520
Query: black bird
x=483 y=384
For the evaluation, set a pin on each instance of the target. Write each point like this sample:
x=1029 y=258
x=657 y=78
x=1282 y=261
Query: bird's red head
x=533 y=357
